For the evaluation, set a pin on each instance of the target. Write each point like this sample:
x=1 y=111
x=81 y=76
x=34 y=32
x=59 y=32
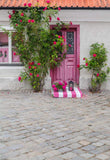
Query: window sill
x=11 y=64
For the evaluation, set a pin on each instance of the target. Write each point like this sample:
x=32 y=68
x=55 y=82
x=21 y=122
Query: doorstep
x=77 y=93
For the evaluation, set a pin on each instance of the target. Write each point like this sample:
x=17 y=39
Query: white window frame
x=11 y=30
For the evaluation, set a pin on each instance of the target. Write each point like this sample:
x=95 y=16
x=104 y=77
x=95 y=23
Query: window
x=4 y=56
x=70 y=40
x=7 y=48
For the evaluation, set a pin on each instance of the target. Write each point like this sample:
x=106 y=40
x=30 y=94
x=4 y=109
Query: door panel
x=58 y=73
x=70 y=73
x=70 y=68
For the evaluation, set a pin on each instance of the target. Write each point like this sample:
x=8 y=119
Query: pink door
x=68 y=69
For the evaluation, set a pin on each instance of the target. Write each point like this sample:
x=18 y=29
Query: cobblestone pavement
x=36 y=126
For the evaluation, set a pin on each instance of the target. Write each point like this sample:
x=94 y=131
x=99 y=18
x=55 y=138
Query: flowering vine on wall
x=38 y=46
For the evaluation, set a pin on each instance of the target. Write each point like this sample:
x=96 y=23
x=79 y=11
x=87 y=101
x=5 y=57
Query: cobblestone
x=36 y=126
x=103 y=157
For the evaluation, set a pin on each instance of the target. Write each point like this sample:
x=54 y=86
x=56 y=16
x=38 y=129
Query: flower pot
x=95 y=89
x=60 y=90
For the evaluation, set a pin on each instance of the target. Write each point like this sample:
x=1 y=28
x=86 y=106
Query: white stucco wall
x=94 y=27
x=92 y=32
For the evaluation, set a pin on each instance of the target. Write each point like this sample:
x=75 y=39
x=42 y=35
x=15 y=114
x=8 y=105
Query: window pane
x=4 y=53
x=70 y=40
x=15 y=58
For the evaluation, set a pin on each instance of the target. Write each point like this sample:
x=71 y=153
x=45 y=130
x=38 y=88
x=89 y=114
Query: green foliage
x=59 y=86
x=97 y=65
x=36 y=43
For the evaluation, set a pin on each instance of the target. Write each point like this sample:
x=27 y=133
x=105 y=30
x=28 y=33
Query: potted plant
x=59 y=86
x=96 y=64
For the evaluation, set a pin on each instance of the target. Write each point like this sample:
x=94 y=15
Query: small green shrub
x=96 y=64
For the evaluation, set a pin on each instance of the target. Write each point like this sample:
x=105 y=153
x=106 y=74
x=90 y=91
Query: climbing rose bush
x=38 y=46
x=96 y=64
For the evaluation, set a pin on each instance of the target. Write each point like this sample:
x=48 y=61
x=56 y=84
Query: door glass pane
x=70 y=40
x=15 y=58
x=3 y=47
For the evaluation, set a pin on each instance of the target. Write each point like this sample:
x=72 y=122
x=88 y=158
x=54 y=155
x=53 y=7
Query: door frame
x=77 y=28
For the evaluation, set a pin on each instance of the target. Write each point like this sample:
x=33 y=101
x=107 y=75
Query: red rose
x=29 y=20
x=32 y=20
x=38 y=64
x=48 y=2
x=50 y=18
x=20 y=20
x=71 y=23
x=59 y=36
x=55 y=89
x=65 y=83
x=29 y=4
x=64 y=87
x=94 y=55
x=97 y=75
x=58 y=18
x=78 y=66
x=37 y=75
x=25 y=4
x=69 y=45
x=83 y=58
x=19 y=78
x=60 y=83
x=59 y=8
x=86 y=64
x=44 y=8
x=61 y=44
x=30 y=74
x=9 y=16
x=35 y=67
x=54 y=42
x=63 y=37
x=14 y=53
x=22 y=14
x=53 y=86
x=13 y=11
x=29 y=67
x=16 y=24
x=32 y=63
